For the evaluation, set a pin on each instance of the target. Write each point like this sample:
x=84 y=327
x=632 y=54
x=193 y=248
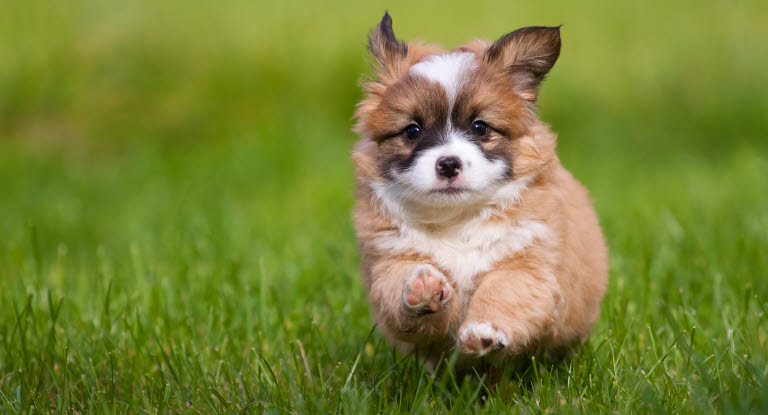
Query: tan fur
x=552 y=291
x=388 y=72
x=543 y=297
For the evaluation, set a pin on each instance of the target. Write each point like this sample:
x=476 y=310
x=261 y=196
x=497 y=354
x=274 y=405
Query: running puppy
x=471 y=232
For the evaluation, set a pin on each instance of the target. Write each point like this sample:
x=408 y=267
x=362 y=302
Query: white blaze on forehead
x=447 y=69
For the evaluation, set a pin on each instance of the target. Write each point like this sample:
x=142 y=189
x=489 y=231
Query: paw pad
x=426 y=290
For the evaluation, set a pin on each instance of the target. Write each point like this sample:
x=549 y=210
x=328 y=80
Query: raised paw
x=426 y=290
x=480 y=338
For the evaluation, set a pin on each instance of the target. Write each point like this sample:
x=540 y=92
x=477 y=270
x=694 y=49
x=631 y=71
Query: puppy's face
x=452 y=127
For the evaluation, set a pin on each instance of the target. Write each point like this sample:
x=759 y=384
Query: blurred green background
x=176 y=173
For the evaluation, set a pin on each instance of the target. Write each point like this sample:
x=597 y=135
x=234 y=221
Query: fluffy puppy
x=472 y=235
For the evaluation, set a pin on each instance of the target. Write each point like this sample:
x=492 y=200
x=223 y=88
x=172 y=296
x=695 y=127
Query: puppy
x=472 y=235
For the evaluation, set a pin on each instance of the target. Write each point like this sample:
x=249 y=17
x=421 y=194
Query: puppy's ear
x=526 y=55
x=389 y=53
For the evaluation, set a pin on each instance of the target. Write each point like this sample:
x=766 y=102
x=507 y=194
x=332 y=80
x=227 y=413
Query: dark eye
x=412 y=131
x=480 y=128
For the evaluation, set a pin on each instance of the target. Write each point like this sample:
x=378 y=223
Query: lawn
x=175 y=198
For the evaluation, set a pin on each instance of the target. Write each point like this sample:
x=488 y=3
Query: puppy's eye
x=412 y=132
x=480 y=128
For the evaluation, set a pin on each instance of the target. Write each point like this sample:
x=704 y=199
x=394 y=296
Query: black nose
x=448 y=166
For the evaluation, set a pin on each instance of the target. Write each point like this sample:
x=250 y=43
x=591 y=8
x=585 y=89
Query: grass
x=175 y=197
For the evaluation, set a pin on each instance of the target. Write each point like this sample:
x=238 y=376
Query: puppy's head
x=454 y=127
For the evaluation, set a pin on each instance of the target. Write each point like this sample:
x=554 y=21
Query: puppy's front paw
x=426 y=290
x=480 y=338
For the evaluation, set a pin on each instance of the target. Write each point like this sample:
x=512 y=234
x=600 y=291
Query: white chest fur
x=468 y=249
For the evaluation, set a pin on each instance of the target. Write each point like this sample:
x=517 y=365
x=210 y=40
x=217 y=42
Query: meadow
x=175 y=198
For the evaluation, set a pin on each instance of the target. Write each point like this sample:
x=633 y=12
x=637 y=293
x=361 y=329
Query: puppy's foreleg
x=413 y=301
x=510 y=310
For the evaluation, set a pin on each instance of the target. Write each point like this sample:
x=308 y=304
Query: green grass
x=175 y=195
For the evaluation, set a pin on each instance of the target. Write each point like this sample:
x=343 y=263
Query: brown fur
x=543 y=297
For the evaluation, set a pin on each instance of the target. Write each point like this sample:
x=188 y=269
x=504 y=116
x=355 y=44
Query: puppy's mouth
x=450 y=191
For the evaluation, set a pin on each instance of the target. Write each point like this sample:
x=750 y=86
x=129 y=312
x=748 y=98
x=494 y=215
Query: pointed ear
x=526 y=55
x=388 y=52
